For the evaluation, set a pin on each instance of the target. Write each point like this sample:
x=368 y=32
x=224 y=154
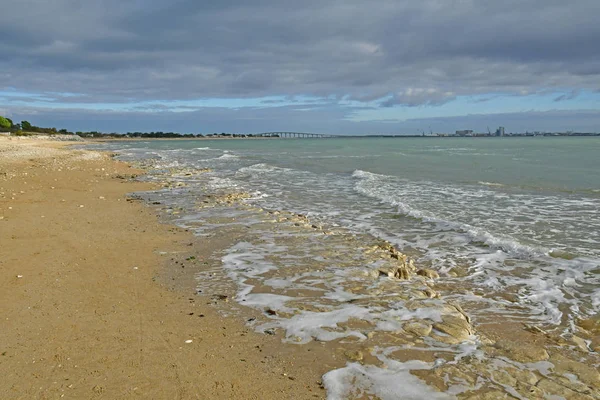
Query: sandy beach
x=110 y=291
x=98 y=298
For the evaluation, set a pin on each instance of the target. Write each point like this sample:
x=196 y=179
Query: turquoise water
x=494 y=204
x=560 y=164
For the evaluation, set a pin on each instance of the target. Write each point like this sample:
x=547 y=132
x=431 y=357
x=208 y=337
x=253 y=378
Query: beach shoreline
x=89 y=308
x=314 y=279
x=144 y=280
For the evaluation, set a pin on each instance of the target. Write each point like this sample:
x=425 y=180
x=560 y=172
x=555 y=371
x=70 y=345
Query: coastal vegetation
x=25 y=128
x=5 y=123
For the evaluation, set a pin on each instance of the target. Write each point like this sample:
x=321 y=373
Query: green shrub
x=5 y=123
x=21 y=133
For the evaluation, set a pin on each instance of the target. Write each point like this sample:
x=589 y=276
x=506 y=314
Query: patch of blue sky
x=232 y=103
x=13 y=95
x=493 y=103
x=66 y=100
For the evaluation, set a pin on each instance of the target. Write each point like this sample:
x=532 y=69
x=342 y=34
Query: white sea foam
x=227 y=156
x=394 y=380
x=378 y=189
x=496 y=184
x=392 y=383
x=321 y=326
x=217 y=183
x=262 y=168
x=545 y=289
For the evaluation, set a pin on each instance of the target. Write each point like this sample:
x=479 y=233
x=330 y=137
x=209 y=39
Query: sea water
x=518 y=215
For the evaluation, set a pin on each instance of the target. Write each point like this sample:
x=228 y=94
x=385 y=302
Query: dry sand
x=86 y=311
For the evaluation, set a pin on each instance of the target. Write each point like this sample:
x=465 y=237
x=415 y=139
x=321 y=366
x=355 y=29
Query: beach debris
x=591 y=325
x=456 y=329
x=224 y=199
x=458 y=272
x=132 y=176
x=98 y=389
x=221 y=297
x=354 y=355
x=189 y=341
x=582 y=344
x=19 y=276
x=418 y=328
x=430 y=293
x=533 y=329
x=519 y=351
x=401 y=272
x=428 y=273
x=462 y=312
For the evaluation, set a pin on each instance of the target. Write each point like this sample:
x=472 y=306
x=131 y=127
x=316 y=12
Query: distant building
x=466 y=132
x=500 y=131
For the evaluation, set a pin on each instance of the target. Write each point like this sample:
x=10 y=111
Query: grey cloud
x=568 y=96
x=400 y=52
x=418 y=96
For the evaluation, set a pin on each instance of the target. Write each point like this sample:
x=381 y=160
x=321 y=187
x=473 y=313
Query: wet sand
x=462 y=348
x=98 y=299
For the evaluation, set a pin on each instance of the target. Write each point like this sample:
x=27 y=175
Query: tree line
x=25 y=128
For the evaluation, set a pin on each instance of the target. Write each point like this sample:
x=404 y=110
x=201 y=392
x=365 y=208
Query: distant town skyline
x=351 y=67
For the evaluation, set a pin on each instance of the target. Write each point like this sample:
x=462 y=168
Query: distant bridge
x=289 y=135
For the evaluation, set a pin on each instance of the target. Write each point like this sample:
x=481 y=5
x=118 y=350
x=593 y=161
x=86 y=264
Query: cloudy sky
x=331 y=66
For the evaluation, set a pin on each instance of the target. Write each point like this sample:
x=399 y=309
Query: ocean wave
x=217 y=183
x=176 y=151
x=343 y=156
x=359 y=173
x=447 y=149
x=262 y=168
x=227 y=156
x=377 y=191
x=495 y=184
